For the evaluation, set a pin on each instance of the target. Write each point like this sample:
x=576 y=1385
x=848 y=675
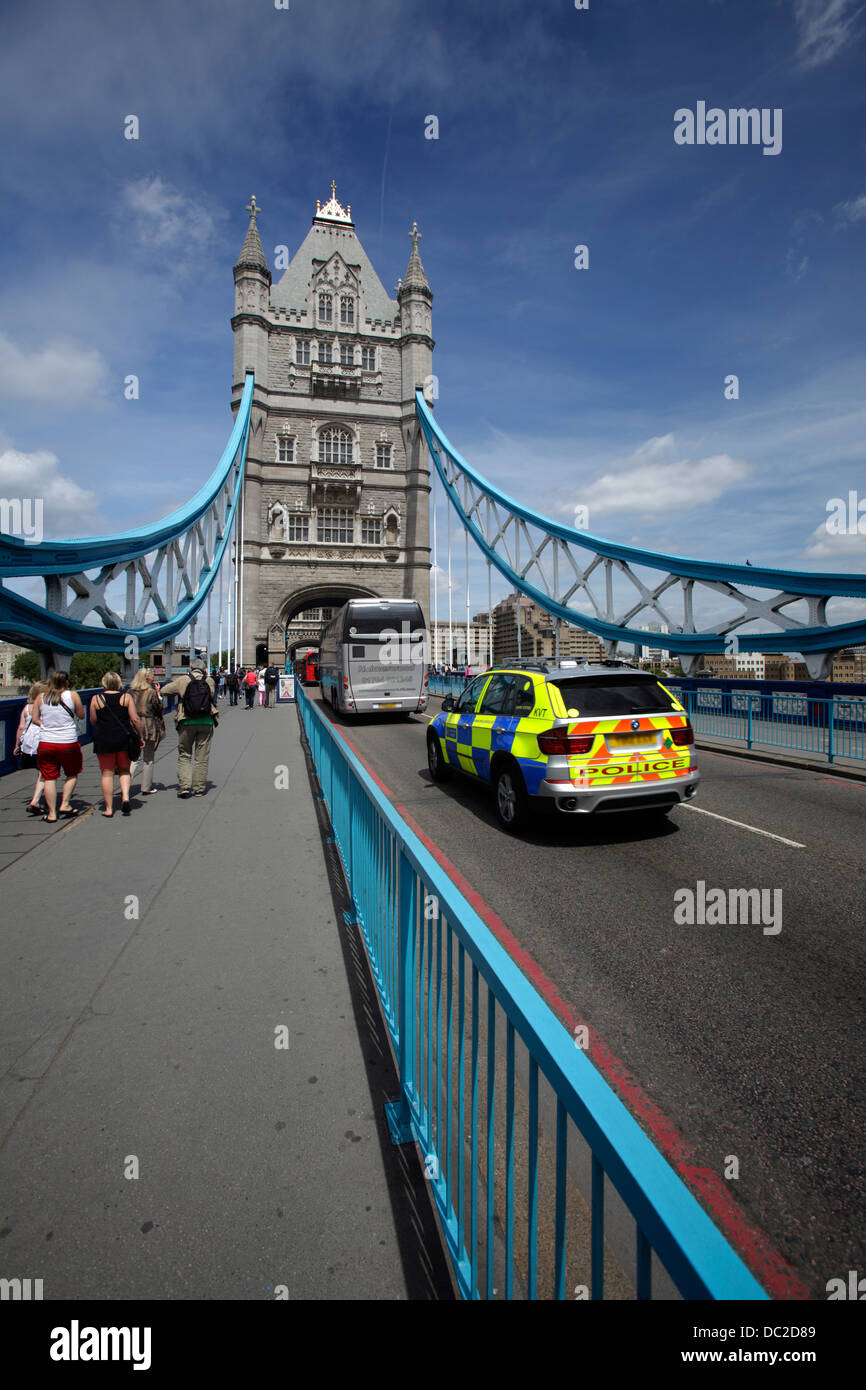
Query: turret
x=252 y=291
x=415 y=299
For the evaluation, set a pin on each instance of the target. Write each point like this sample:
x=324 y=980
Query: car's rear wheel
x=509 y=797
x=439 y=769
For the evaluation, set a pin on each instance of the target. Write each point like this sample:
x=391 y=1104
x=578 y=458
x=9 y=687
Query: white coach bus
x=373 y=657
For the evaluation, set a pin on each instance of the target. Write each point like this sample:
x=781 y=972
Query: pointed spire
x=252 y=255
x=415 y=277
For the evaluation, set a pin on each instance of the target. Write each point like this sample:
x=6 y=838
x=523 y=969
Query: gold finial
x=252 y=208
x=415 y=235
x=333 y=188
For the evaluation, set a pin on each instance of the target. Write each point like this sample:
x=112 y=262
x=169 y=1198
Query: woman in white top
x=56 y=712
x=260 y=681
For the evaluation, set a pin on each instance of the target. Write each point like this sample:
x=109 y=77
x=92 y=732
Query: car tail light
x=560 y=741
x=682 y=736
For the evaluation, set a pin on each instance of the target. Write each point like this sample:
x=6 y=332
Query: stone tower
x=336 y=496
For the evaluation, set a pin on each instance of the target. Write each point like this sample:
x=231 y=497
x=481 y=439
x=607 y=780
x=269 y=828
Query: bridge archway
x=290 y=628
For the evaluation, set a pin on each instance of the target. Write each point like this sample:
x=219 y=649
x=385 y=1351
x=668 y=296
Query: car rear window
x=601 y=695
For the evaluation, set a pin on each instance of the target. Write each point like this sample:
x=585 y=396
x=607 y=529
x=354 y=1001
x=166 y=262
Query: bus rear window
x=602 y=695
x=371 y=621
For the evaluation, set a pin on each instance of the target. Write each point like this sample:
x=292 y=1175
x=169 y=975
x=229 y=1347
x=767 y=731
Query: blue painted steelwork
x=830 y=727
x=494 y=519
x=199 y=530
x=398 y=892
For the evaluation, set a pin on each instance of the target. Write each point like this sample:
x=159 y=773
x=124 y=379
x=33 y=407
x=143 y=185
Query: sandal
x=108 y=814
x=34 y=810
x=67 y=812
x=52 y=820
x=125 y=808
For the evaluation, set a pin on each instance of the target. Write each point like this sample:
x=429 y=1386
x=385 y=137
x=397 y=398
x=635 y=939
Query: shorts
x=118 y=761
x=54 y=757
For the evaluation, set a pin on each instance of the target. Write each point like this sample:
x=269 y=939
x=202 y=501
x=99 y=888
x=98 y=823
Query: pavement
x=194 y=1064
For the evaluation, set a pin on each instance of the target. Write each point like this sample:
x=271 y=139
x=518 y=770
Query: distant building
x=8 y=653
x=850 y=665
x=448 y=642
x=538 y=634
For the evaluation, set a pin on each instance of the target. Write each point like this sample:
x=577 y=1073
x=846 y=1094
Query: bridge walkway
x=148 y=1044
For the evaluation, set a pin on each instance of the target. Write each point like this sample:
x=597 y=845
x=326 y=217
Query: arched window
x=335 y=446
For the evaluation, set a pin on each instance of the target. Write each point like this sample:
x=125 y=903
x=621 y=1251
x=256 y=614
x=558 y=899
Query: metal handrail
x=394 y=881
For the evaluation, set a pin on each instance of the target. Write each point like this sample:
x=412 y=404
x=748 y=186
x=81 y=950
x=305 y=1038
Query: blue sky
x=603 y=386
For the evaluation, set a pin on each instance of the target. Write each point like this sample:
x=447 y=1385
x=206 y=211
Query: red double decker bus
x=306 y=668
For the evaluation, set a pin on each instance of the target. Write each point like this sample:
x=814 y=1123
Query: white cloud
x=650 y=485
x=823 y=545
x=166 y=218
x=824 y=27
x=63 y=372
x=852 y=211
x=68 y=510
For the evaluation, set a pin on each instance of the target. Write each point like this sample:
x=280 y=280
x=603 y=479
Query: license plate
x=627 y=740
x=391 y=706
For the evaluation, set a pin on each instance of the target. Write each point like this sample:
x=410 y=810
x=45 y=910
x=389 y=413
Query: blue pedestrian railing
x=511 y=1116
x=828 y=727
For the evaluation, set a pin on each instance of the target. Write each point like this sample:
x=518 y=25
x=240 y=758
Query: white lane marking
x=795 y=844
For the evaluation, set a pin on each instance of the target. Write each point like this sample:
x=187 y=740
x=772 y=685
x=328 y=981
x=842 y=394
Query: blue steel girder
x=169 y=568
x=550 y=570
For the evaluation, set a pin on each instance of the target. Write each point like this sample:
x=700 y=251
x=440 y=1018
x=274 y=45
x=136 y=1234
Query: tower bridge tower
x=337 y=487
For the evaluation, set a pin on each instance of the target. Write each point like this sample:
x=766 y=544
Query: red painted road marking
x=765 y=1262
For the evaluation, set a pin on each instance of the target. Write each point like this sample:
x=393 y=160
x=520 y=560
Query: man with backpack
x=271 y=677
x=195 y=717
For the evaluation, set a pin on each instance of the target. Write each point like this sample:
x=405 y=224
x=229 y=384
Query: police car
x=575 y=737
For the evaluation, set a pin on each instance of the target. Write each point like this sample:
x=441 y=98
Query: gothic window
x=383 y=455
x=371 y=530
x=325 y=352
x=326 y=308
x=347 y=311
x=302 y=354
x=299 y=527
x=347 y=356
x=368 y=359
x=335 y=446
x=285 y=449
x=336 y=525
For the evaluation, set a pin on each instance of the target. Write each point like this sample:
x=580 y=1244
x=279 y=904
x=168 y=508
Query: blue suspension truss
x=169 y=568
x=548 y=563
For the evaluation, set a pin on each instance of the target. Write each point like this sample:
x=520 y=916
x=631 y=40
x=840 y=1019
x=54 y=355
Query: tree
x=26 y=667
x=86 y=669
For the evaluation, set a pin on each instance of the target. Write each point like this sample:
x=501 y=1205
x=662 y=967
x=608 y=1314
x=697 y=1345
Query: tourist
x=27 y=745
x=196 y=718
x=148 y=707
x=250 y=682
x=55 y=712
x=271 y=678
x=233 y=683
x=260 y=680
x=113 y=718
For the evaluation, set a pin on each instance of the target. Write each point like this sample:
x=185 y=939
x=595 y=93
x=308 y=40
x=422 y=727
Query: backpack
x=197 y=698
x=271 y=675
